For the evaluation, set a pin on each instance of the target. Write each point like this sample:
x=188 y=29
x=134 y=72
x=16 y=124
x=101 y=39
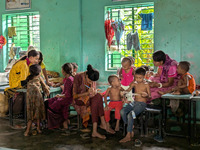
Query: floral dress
x=34 y=100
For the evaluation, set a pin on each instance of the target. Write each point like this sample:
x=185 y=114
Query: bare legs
x=127 y=138
x=26 y=133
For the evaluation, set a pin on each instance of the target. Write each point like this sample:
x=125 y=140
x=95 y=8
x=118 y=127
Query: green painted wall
x=60 y=30
x=73 y=31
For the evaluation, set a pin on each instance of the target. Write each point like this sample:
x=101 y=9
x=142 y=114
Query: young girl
x=126 y=74
x=58 y=106
x=34 y=99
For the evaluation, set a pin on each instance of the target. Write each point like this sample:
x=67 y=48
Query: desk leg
x=164 y=115
x=189 y=121
x=11 y=111
x=194 y=118
x=25 y=110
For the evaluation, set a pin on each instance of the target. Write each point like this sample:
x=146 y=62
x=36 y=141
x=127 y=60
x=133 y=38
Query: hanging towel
x=133 y=40
x=146 y=21
x=11 y=32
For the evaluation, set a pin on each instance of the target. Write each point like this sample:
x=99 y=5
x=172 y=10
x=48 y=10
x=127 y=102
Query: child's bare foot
x=102 y=126
x=39 y=131
x=26 y=133
x=117 y=128
x=65 y=125
x=161 y=93
x=96 y=134
x=127 y=138
x=110 y=130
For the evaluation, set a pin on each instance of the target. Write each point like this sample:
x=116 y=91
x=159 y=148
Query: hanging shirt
x=146 y=21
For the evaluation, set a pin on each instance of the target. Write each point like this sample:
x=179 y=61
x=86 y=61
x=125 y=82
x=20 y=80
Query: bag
x=3 y=105
x=18 y=103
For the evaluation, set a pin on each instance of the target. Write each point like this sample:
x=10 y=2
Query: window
x=131 y=17
x=27 y=27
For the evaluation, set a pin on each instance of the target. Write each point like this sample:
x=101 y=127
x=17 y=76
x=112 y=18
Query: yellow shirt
x=42 y=65
x=18 y=73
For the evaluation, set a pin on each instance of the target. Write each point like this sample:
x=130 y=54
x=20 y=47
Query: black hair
x=185 y=65
x=32 y=53
x=41 y=57
x=131 y=58
x=92 y=73
x=111 y=78
x=147 y=68
x=68 y=68
x=140 y=71
x=159 y=56
x=126 y=59
x=75 y=65
x=34 y=71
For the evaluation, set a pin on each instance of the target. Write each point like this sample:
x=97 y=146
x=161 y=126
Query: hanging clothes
x=11 y=32
x=133 y=41
x=146 y=21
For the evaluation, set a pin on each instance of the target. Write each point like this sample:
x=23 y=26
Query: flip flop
x=85 y=136
x=138 y=143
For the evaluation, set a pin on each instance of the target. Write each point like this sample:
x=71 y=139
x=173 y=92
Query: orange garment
x=192 y=84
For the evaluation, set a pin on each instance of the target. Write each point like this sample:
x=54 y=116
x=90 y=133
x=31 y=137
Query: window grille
x=27 y=30
x=130 y=16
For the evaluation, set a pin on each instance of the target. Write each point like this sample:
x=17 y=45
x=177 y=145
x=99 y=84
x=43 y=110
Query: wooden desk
x=178 y=97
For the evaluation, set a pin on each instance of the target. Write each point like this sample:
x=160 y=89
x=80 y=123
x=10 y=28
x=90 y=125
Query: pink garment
x=172 y=73
x=58 y=111
x=127 y=77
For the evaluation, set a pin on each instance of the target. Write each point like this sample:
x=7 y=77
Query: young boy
x=186 y=84
x=115 y=100
x=142 y=92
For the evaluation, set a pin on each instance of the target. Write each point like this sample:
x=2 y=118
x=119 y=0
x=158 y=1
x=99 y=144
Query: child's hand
x=106 y=108
x=59 y=95
x=144 y=94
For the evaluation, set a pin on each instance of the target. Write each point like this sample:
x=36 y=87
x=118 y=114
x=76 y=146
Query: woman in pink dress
x=166 y=77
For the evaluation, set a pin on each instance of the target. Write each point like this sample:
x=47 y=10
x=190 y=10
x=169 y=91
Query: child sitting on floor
x=186 y=84
x=115 y=100
x=133 y=109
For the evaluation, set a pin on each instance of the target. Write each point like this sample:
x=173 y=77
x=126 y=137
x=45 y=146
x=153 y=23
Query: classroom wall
x=73 y=31
x=59 y=31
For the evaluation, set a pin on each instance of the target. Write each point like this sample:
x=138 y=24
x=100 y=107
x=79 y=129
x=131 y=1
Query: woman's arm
x=46 y=77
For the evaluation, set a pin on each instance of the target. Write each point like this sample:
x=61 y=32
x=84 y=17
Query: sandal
x=138 y=143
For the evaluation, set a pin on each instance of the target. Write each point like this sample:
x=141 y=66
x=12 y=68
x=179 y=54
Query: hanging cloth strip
x=133 y=40
x=2 y=41
x=146 y=21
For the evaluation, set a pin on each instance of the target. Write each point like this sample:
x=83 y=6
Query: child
x=134 y=108
x=115 y=100
x=126 y=74
x=149 y=72
x=186 y=84
x=34 y=99
x=59 y=105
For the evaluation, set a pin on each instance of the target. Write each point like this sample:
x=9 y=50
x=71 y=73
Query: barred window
x=131 y=16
